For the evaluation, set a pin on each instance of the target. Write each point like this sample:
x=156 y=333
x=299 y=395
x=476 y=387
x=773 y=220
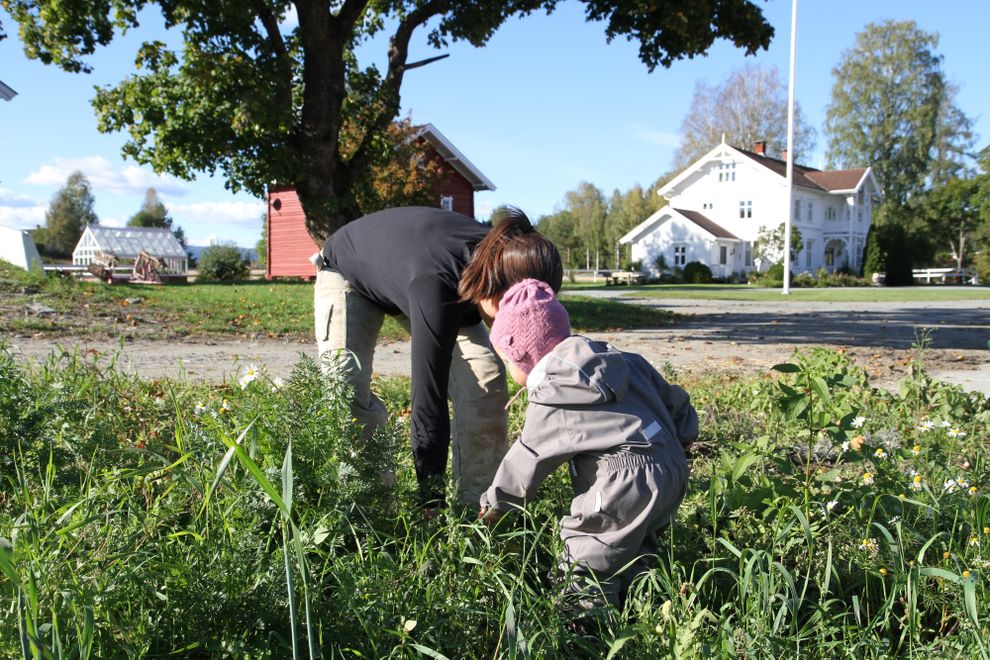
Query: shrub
x=222 y=262
x=696 y=272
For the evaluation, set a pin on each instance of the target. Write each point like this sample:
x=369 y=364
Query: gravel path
x=715 y=335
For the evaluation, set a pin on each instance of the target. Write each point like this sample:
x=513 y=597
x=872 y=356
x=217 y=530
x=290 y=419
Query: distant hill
x=247 y=253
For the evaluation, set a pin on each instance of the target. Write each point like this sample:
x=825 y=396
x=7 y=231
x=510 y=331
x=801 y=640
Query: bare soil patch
x=740 y=337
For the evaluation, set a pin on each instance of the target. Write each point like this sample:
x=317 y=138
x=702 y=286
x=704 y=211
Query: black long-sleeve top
x=409 y=260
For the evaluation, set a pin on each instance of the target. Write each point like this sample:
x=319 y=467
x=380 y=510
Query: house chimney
x=783 y=155
x=760 y=147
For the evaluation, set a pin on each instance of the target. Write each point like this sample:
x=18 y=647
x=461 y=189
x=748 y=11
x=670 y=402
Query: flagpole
x=790 y=154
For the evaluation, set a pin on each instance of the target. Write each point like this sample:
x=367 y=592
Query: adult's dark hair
x=511 y=252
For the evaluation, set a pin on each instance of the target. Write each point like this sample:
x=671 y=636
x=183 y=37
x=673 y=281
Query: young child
x=613 y=417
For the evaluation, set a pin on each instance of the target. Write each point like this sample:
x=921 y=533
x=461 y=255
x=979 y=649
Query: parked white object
x=17 y=247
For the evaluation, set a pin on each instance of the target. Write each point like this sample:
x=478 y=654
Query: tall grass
x=145 y=518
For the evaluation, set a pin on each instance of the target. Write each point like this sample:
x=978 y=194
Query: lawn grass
x=838 y=295
x=257 y=308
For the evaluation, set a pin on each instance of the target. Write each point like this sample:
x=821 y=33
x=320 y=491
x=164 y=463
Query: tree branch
x=277 y=43
x=398 y=52
x=429 y=60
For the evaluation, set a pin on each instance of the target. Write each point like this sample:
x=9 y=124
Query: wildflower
x=225 y=406
x=250 y=375
x=845 y=446
x=277 y=383
x=831 y=505
x=962 y=482
x=965 y=575
x=858 y=422
x=945 y=424
x=902 y=496
x=910 y=563
x=974 y=540
x=894 y=520
x=916 y=450
x=880 y=453
x=857 y=442
x=917 y=483
x=869 y=545
x=883 y=572
x=986 y=530
x=954 y=432
x=946 y=555
x=926 y=426
x=867 y=478
x=200 y=408
x=950 y=486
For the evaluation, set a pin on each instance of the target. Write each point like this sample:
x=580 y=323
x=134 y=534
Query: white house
x=98 y=244
x=717 y=207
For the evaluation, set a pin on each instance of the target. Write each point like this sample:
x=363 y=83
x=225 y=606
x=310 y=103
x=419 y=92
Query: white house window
x=797 y=209
x=808 y=246
x=723 y=254
x=708 y=205
x=680 y=255
x=726 y=172
x=748 y=253
x=830 y=213
x=859 y=214
x=829 y=256
x=746 y=209
x=447 y=202
x=810 y=211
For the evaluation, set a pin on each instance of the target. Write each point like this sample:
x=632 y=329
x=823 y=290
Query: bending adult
x=441 y=273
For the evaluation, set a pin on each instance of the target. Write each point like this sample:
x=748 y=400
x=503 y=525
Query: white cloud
x=217 y=222
x=20 y=211
x=16 y=200
x=218 y=213
x=483 y=209
x=654 y=137
x=105 y=176
x=24 y=217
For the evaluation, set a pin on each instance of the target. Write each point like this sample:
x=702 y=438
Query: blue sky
x=546 y=105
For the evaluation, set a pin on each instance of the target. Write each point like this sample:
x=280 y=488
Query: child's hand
x=489 y=515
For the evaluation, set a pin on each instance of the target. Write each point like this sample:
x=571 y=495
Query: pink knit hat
x=529 y=323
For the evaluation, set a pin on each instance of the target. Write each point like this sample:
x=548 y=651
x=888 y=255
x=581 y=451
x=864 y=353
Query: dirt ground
x=714 y=336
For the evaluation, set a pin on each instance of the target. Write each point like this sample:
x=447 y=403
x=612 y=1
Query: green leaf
x=742 y=464
x=620 y=641
x=786 y=368
x=425 y=650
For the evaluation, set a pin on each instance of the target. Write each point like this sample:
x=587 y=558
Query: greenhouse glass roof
x=128 y=242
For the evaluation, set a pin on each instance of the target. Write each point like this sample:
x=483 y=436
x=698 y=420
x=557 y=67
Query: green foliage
x=696 y=272
x=231 y=99
x=750 y=105
x=222 y=262
x=874 y=257
x=71 y=209
x=145 y=518
x=770 y=243
x=152 y=214
x=889 y=250
x=261 y=247
x=892 y=110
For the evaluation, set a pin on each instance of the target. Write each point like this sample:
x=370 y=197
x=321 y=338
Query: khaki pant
x=477 y=388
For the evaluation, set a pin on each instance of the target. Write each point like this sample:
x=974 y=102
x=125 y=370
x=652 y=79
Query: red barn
x=290 y=245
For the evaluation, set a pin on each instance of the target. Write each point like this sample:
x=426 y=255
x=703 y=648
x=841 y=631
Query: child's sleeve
x=544 y=446
x=678 y=403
